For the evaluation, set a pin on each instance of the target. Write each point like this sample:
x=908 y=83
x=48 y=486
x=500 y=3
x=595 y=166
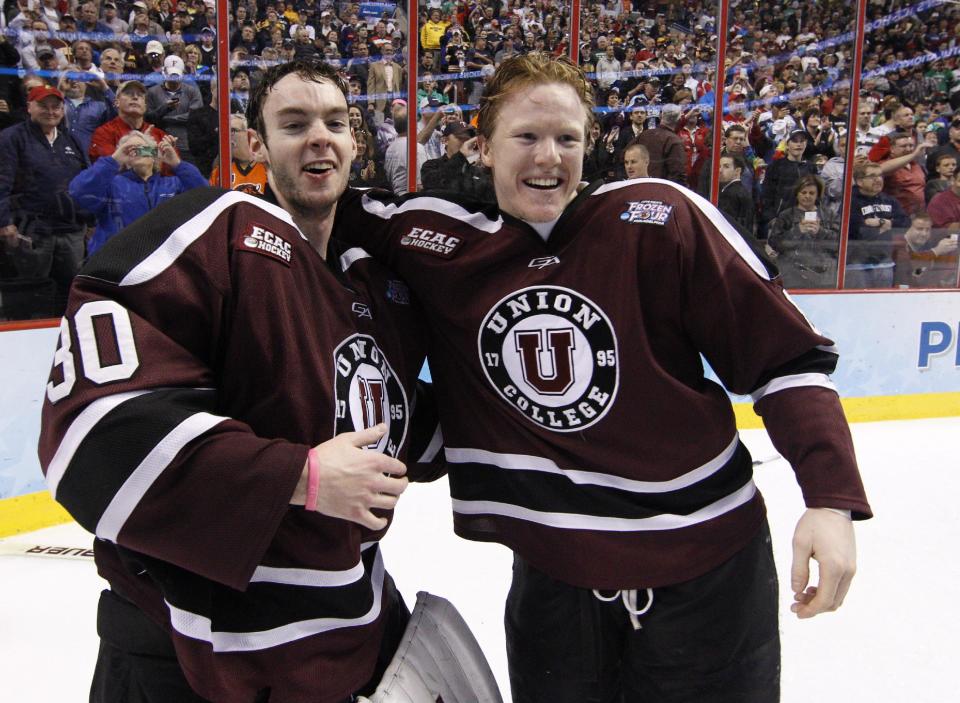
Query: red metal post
x=718 y=82
x=575 y=31
x=855 y=71
x=413 y=64
x=223 y=91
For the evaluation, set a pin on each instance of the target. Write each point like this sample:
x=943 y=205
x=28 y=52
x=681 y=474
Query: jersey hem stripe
x=199 y=627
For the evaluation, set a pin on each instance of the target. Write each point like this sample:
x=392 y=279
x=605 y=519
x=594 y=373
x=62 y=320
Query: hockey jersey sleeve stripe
x=76 y=433
x=352 y=255
x=526 y=462
x=161 y=258
x=794 y=381
x=388 y=210
x=121 y=440
x=143 y=476
x=572 y=521
x=729 y=232
x=433 y=448
x=200 y=627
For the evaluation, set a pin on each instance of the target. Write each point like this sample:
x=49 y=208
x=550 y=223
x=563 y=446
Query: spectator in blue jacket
x=85 y=110
x=119 y=189
x=39 y=223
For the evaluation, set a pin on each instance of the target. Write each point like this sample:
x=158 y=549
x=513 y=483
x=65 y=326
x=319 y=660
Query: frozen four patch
x=651 y=212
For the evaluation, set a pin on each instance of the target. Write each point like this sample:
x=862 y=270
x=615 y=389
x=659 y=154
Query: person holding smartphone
x=121 y=188
x=806 y=238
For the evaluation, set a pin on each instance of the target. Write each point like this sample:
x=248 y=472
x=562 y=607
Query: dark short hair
x=734 y=128
x=310 y=70
x=738 y=160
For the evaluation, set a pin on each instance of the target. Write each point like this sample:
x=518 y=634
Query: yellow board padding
x=875 y=408
x=35 y=511
x=29 y=512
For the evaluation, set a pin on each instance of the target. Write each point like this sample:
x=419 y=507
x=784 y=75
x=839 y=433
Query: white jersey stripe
x=574 y=521
x=525 y=462
x=351 y=255
x=78 y=431
x=729 y=232
x=191 y=230
x=138 y=483
x=436 y=443
x=800 y=380
x=314 y=578
x=199 y=627
x=477 y=220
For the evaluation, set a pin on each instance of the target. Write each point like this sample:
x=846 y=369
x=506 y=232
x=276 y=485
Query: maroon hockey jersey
x=204 y=350
x=579 y=427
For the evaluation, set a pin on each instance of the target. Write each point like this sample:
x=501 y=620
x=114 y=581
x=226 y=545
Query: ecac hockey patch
x=426 y=240
x=262 y=241
x=651 y=212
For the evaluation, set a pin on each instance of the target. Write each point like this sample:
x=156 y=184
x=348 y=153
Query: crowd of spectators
x=150 y=66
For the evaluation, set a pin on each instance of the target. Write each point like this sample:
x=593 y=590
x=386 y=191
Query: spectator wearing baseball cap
x=458 y=169
x=783 y=174
x=39 y=223
x=131 y=104
x=169 y=103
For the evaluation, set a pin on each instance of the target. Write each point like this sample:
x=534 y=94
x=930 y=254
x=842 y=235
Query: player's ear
x=486 y=157
x=258 y=147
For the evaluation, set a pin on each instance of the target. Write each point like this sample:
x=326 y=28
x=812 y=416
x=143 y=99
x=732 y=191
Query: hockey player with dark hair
x=579 y=426
x=228 y=411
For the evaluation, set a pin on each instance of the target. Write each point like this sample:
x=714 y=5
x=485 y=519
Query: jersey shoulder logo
x=551 y=353
x=426 y=240
x=368 y=392
x=260 y=240
x=649 y=212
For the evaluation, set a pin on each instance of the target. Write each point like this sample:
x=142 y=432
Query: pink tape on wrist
x=313 y=480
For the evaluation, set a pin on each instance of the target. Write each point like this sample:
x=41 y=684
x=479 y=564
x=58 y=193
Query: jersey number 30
x=92 y=322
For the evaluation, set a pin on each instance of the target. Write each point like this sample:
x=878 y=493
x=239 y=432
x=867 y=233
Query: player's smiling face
x=536 y=151
x=310 y=144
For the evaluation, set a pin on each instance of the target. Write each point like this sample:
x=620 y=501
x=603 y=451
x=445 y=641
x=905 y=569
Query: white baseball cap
x=173 y=66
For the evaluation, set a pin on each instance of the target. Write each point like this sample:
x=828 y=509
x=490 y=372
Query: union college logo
x=552 y=354
x=368 y=393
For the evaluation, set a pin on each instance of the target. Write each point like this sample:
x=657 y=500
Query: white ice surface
x=895 y=639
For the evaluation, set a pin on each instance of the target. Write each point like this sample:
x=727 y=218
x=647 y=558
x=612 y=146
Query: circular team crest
x=368 y=392
x=552 y=354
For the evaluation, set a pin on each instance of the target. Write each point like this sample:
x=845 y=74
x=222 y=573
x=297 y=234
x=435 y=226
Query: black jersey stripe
x=556 y=493
x=148 y=246
x=118 y=443
x=137 y=241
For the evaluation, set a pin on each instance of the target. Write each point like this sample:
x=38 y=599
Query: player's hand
x=827 y=537
x=354 y=481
